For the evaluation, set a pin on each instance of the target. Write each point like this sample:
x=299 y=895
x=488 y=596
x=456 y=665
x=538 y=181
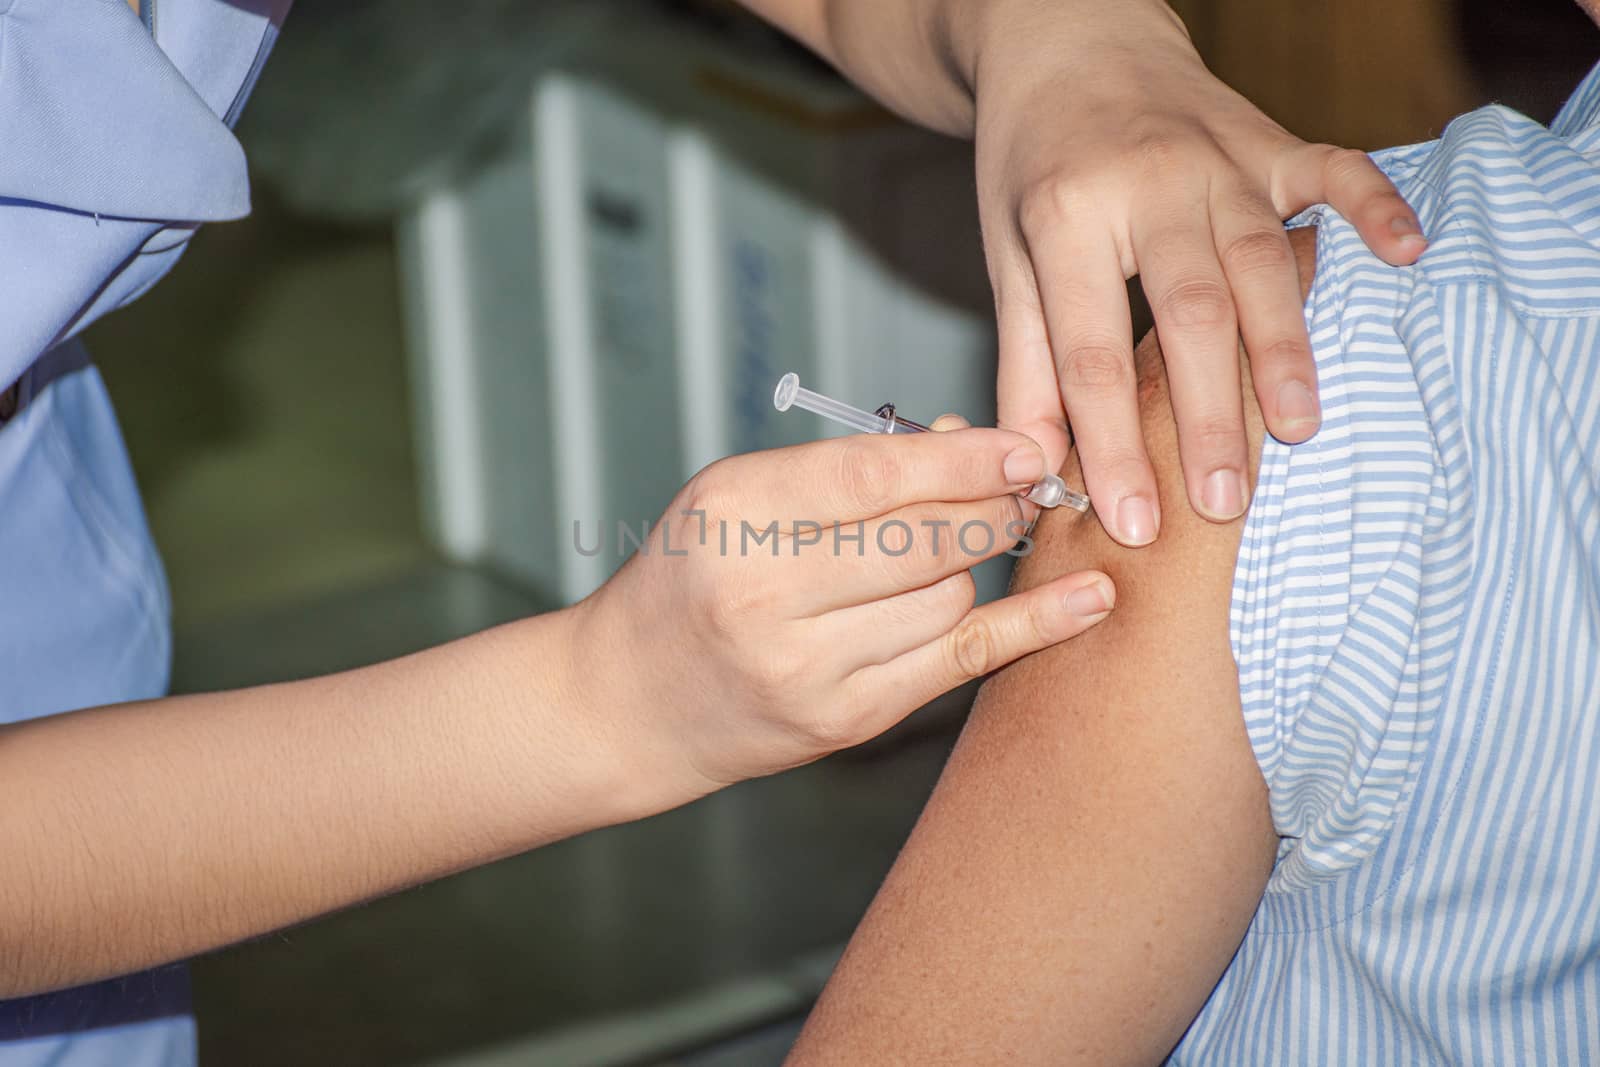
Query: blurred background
x=518 y=264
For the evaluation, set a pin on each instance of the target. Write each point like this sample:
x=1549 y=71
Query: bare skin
x=203 y=820
x=1100 y=839
x=144 y=833
x=1154 y=168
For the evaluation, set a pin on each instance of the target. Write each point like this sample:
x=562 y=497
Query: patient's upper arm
x=1101 y=837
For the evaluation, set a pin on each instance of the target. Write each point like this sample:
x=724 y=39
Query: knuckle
x=1243 y=197
x=830 y=730
x=902 y=534
x=1159 y=146
x=1041 y=623
x=1381 y=206
x=1095 y=366
x=1342 y=165
x=708 y=492
x=1215 y=435
x=1048 y=204
x=900 y=569
x=734 y=604
x=774 y=674
x=963 y=594
x=978 y=466
x=870 y=478
x=1197 y=304
x=1283 y=351
x=900 y=612
x=1160 y=154
x=724 y=614
x=973 y=645
x=950 y=601
x=931 y=547
x=1123 y=469
x=1258 y=251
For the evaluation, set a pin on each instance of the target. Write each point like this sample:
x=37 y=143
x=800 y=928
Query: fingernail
x=1222 y=497
x=1297 y=407
x=1025 y=466
x=1136 y=521
x=1091 y=600
x=1410 y=233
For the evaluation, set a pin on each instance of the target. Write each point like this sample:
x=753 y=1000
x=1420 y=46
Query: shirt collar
x=94 y=118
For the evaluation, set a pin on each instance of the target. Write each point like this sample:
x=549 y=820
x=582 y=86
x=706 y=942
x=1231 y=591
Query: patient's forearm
x=139 y=834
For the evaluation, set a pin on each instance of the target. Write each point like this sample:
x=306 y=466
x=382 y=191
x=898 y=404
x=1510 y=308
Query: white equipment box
x=604 y=304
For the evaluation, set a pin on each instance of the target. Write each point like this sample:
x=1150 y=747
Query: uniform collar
x=94 y=118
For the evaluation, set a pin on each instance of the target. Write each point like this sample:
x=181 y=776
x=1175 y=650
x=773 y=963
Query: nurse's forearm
x=921 y=57
x=135 y=835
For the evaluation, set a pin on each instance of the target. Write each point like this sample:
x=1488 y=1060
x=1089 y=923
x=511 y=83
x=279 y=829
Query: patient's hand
x=1100 y=839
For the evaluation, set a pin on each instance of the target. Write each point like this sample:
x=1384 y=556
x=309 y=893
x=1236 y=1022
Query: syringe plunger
x=791 y=394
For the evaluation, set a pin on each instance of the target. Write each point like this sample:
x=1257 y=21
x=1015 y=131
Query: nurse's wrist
x=622 y=713
x=547 y=743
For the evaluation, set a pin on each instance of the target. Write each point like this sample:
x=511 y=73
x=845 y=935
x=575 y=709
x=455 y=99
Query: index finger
x=847 y=479
x=1091 y=334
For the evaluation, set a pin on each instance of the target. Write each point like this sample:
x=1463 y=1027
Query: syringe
x=1050 y=493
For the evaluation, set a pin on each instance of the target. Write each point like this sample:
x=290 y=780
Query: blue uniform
x=1416 y=619
x=117 y=145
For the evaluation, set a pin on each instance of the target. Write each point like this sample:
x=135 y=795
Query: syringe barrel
x=791 y=394
x=1050 y=493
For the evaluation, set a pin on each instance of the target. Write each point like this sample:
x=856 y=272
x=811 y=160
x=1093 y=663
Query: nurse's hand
x=216 y=817
x=755 y=651
x=1106 y=149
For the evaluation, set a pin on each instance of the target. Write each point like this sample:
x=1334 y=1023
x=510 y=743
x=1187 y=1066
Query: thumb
x=991 y=636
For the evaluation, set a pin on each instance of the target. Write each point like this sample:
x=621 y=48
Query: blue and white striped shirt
x=1416 y=619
